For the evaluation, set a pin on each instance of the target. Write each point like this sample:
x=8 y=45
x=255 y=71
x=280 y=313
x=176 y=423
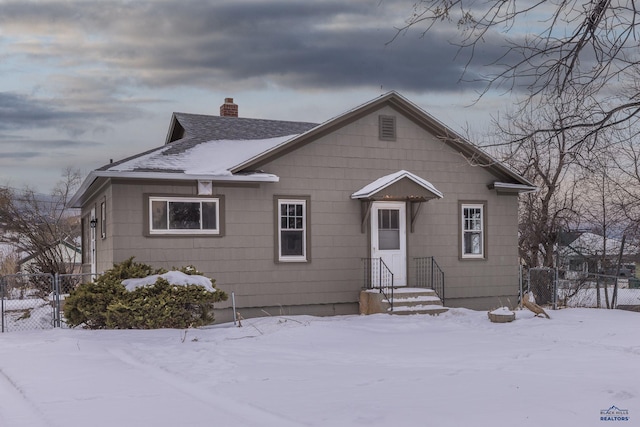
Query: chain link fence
x=27 y=302
x=35 y=301
x=556 y=288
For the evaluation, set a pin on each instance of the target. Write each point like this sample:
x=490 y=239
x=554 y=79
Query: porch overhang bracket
x=415 y=211
x=365 y=211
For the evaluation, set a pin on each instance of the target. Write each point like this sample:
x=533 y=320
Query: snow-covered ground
x=457 y=369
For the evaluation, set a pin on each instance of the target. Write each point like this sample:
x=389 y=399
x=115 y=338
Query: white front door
x=389 y=238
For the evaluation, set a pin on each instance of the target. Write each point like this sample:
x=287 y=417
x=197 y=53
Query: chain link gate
x=543 y=282
x=35 y=301
x=27 y=302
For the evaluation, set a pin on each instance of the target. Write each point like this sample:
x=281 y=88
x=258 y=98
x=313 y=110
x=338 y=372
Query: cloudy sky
x=82 y=82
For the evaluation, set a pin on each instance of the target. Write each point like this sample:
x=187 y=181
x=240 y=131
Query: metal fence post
x=443 y=288
x=380 y=274
x=554 y=300
x=520 y=282
x=2 y=287
x=56 y=300
x=233 y=304
x=432 y=261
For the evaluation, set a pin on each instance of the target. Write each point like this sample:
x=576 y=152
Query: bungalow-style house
x=297 y=218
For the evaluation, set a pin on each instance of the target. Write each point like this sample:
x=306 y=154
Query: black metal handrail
x=429 y=275
x=377 y=275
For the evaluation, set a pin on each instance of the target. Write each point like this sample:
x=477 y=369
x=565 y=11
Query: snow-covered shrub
x=87 y=304
x=134 y=295
x=164 y=305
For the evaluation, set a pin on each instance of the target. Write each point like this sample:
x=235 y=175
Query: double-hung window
x=473 y=230
x=184 y=215
x=292 y=230
x=103 y=220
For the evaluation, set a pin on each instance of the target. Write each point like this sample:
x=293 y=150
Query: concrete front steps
x=405 y=301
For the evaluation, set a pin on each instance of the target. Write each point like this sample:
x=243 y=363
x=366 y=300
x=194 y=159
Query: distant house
x=592 y=253
x=68 y=253
x=292 y=216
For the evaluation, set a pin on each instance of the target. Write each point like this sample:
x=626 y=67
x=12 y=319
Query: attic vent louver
x=387 y=128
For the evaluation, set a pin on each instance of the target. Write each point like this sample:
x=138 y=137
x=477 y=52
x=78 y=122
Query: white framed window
x=184 y=215
x=103 y=220
x=473 y=230
x=388 y=229
x=292 y=230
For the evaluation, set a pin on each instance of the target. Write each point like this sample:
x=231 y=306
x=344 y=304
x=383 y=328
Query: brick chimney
x=229 y=109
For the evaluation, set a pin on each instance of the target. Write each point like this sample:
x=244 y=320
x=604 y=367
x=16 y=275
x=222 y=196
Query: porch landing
x=405 y=301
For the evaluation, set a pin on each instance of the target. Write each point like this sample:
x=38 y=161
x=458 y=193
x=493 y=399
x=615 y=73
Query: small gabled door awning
x=399 y=186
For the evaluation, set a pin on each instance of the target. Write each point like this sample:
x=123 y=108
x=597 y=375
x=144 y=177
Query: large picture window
x=292 y=230
x=473 y=231
x=179 y=215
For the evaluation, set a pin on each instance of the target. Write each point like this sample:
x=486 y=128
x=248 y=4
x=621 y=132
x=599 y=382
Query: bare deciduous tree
x=603 y=214
x=550 y=161
x=627 y=166
x=552 y=52
x=41 y=225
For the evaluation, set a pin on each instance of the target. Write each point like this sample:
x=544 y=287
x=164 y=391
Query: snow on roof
x=387 y=180
x=591 y=244
x=177 y=278
x=216 y=157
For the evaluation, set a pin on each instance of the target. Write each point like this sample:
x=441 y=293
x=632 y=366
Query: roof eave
x=371 y=196
x=507 y=187
x=79 y=197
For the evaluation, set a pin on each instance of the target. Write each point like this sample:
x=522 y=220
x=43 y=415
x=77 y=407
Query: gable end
x=176 y=130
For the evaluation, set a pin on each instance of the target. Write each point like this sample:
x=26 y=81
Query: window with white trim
x=183 y=215
x=292 y=230
x=103 y=220
x=473 y=231
x=389 y=229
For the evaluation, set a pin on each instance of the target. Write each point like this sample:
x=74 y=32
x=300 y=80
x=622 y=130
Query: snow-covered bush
x=135 y=296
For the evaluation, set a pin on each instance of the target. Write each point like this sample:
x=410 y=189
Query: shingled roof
x=200 y=128
x=190 y=130
x=218 y=148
